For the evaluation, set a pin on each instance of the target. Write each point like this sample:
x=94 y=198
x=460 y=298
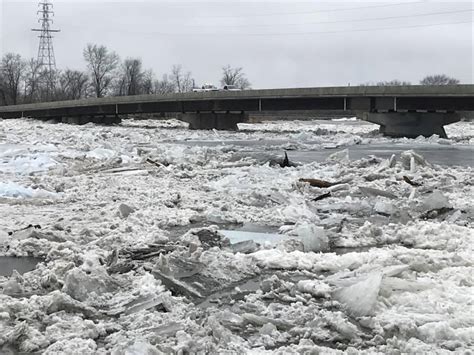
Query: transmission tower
x=46 y=59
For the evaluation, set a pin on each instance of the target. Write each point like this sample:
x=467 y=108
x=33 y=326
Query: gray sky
x=278 y=43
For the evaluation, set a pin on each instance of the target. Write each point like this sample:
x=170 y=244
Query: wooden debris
x=322 y=197
x=155 y=163
x=319 y=183
x=410 y=182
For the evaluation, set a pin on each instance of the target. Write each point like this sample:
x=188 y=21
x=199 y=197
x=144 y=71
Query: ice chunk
x=149 y=302
x=341 y=156
x=14 y=286
x=137 y=348
x=57 y=301
x=314 y=287
x=11 y=189
x=370 y=191
x=81 y=285
x=177 y=285
x=242 y=236
x=412 y=165
x=314 y=238
x=406 y=158
x=268 y=329
x=436 y=201
x=392 y=161
x=361 y=297
x=339 y=187
x=245 y=247
x=261 y=321
x=31 y=163
x=384 y=208
x=72 y=346
x=101 y=154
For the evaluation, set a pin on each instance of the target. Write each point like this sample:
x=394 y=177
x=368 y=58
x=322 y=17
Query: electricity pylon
x=46 y=59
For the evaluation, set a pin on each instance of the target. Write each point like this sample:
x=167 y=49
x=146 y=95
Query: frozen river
x=148 y=238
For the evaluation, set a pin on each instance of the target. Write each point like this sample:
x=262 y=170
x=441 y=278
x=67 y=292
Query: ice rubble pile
x=117 y=279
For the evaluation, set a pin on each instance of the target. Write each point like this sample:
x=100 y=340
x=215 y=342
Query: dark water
x=21 y=264
x=459 y=155
x=442 y=155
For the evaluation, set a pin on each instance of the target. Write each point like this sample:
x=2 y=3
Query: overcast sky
x=278 y=43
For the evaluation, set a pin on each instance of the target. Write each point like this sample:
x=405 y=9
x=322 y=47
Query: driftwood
x=410 y=182
x=319 y=183
x=148 y=160
x=322 y=197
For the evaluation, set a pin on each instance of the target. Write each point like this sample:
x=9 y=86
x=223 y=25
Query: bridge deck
x=357 y=98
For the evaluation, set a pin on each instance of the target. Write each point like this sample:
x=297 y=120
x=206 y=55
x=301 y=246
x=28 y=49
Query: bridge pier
x=214 y=120
x=411 y=124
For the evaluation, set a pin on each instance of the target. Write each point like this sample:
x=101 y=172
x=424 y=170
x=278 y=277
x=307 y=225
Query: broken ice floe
x=13 y=190
x=153 y=282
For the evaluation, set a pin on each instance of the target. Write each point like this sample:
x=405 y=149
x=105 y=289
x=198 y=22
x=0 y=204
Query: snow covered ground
x=375 y=258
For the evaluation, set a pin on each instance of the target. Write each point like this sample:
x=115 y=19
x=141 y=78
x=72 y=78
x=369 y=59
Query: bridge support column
x=213 y=120
x=412 y=124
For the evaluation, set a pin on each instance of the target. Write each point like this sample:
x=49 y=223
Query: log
x=319 y=183
x=410 y=182
x=322 y=197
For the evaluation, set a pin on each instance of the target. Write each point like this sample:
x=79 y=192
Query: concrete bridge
x=407 y=111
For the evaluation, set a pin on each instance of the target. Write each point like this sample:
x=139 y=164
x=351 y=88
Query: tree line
x=439 y=79
x=24 y=81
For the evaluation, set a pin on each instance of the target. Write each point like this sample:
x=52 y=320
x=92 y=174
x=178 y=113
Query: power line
x=316 y=12
x=339 y=21
x=309 y=33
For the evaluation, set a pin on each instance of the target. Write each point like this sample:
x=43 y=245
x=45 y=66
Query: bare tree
x=101 y=63
x=73 y=84
x=13 y=71
x=440 y=79
x=132 y=76
x=147 y=82
x=164 y=86
x=3 y=94
x=393 y=83
x=183 y=82
x=234 y=76
x=34 y=78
